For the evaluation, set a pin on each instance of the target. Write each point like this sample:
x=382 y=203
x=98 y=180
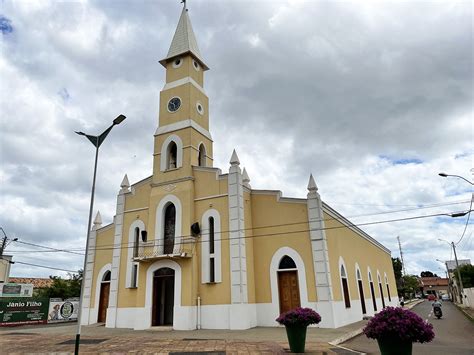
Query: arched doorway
x=104 y=298
x=163 y=297
x=288 y=288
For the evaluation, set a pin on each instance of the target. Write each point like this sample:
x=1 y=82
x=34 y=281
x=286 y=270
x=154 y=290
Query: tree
x=411 y=285
x=428 y=274
x=63 y=288
x=397 y=270
x=467 y=275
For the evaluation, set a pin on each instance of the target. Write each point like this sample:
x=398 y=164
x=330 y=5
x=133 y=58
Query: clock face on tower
x=174 y=104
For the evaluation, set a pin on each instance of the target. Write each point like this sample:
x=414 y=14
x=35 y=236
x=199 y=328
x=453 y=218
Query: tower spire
x=184 y=40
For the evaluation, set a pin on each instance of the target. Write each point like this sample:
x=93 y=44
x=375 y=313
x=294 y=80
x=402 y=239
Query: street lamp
x=457 y=266
x=96 y=141
x=460 y=177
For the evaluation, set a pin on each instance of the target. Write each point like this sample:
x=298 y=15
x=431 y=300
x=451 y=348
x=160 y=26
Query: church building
x=194 y=247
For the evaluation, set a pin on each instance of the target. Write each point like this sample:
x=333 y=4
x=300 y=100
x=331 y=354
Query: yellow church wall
x=249 y=247
x=217 y=293
x=206 y=184
x=103 y=255
x=140 y=197
x=353 y=248
x=186 y=69
x=267 y=211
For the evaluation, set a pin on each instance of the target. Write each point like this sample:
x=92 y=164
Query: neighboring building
x=434 y=285
x=5 y=261
x=35 y=281
x=455 y=289
x=193 y=247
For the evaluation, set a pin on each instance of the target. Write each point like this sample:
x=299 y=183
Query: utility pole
x=4 y=242
x=401 y=256
x=459 y=272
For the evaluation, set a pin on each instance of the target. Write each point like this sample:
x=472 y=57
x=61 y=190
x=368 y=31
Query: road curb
x=467 y=314
x=354 y=333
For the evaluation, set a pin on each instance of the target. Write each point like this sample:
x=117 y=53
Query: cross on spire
x=184 y=4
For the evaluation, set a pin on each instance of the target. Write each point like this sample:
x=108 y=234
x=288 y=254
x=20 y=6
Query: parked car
x=431 y=297
x=445 y=297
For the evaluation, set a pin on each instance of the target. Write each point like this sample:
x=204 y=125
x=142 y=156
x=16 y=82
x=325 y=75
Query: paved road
x=454 y=333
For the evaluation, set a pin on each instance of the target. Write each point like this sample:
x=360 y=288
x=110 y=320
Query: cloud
x=373 y=98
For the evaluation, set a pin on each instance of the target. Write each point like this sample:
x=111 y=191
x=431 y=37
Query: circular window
x=174 y=104
x=199 y=108
x=196 y=65
x=177 y=63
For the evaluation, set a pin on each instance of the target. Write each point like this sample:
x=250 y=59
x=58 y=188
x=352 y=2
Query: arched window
x=388 y=289
x=169 y=229
x=372 y=292
x=136 y=240
x=171 y=156
x=381 y=290
x=212 y=267
x=202 y=155
x=345 y=287
x=286 y=263
x=106 y=276
x=361 y=290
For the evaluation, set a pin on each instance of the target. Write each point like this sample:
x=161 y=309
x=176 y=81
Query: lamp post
x=457 y=266
x=96 y=141
x=458 y=176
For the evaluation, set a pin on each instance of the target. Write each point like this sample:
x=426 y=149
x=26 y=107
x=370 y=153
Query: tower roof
x=184 y=41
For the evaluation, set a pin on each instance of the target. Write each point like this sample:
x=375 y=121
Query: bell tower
x=182 y=139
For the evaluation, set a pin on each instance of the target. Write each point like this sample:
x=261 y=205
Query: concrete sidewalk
x=271 y=340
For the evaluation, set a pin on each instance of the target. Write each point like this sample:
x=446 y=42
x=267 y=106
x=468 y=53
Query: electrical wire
x=126 y=246
x=467 y=220
x=45 y=247
x=42 y=266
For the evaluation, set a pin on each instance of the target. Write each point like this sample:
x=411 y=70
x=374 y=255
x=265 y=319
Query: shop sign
x=63 y=311
x=18 y=311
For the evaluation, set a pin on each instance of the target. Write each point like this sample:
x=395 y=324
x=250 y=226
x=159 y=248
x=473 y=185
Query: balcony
x=154 y=249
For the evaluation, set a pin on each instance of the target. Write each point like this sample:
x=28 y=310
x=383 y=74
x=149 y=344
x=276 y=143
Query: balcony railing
x=157 y=249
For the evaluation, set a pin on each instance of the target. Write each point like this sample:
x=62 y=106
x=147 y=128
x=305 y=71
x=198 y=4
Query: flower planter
x=395 y=347
x=296 y=337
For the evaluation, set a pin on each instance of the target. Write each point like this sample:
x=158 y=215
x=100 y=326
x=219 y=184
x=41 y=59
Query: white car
x=445 y=297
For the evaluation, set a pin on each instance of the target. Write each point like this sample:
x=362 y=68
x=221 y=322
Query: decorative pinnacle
x=234 y=159
x=97 y=221
x=245 y=177
x=312 y=184
x=125 y=184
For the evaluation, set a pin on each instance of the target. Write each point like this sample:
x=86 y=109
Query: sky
x=373 y=98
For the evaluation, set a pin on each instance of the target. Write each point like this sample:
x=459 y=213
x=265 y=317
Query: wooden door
x=163 y=297
x=103 y=302
x=288 y=290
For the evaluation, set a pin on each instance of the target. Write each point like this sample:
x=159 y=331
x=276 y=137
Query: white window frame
x=164 y=152
x=130 y=248
x=205 y=254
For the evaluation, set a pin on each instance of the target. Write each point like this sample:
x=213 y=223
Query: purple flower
x=399 y=324
x=299 y=317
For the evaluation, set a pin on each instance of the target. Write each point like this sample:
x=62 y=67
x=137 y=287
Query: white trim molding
x=181 y=125
x=183 y=81
x=205 y=250
x=146 y=317
x=342 y=264
x=94 y=312
x=164 y=152
x=159 y=223
x=274 y=264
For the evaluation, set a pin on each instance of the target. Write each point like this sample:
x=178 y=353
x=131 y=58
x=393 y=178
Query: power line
x=50 y=248
x=467 y=220
x=263 y=227
x=126 y=246
x=45 y=267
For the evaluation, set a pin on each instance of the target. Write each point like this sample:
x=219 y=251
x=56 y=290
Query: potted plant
x=296 y=321
x=396 y=329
